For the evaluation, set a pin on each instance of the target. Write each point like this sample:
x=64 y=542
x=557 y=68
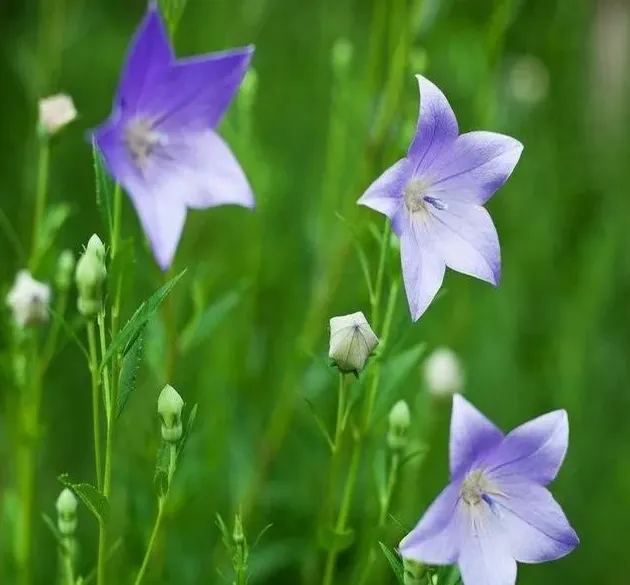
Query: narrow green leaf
x=260 y=535
x=95 y=501
x=395 y=563
x=134 y=327
x=188 y=429
x=129 y=373
x=103 y=189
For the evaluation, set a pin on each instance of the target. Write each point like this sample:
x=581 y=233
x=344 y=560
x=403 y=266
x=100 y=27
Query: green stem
x=376 y=370
x=110 y=378
x=96 y=397
x=158 y=519
x=40 y=202
x=152 y=540
x=106 y=381
x=344 y=511
x=341 y=410
x=352 y=476
x=384 y=507
x=378 y=286
x=68 y=568
x=26 y=464
x=389 y=491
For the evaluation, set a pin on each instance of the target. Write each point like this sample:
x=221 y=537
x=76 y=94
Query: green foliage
x=552 y=335
x=93 y=499
x=129 y=334
x=129 y=373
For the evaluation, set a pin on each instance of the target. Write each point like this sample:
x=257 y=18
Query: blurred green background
x=245 y=335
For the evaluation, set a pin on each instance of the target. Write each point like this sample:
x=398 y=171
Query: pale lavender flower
x=434 y=198
x=496 y=510
x=160 y=142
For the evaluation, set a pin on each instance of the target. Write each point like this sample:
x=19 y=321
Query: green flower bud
x=90 y=276
x=237 y=534
x=67 y=512
x=170 y=405
x=399 y=422
x=95 y=246
x=65 y=270
x=352 y=341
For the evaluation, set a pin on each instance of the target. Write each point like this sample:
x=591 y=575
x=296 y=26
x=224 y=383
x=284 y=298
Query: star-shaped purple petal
x=160 y=141
x=496 y=510
x=434 y=198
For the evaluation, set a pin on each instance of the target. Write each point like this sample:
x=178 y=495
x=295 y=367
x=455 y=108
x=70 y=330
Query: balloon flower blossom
x=496 y=510
x=435 y=195
x=160 y=141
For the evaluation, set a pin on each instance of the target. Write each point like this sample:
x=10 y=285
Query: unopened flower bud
x=67 y=512
x=237 y=534
x=90 y=276
x=55 y=112
x=342 y=52
x=95 y=246
x=170 y=405
x=65 y=270
x=399 y=421
x=351 y=342
x=413 y=572
x=28 y=300
x=443 y=373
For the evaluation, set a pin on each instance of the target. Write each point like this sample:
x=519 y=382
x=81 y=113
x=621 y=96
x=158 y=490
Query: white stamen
x=414 y=193
x=475 y=486
x=141 y=140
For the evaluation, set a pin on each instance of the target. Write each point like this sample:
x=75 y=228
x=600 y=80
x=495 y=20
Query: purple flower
x=496 y=510
x=434 y=198
x=159 y=142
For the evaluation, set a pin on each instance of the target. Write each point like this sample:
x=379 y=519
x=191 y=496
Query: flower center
x=141 y=140
x=477 y=487
x=417 y=199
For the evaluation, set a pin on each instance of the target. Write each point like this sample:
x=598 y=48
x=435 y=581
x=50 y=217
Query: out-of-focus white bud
x=170 y=405
x=90 y=276
x=528 y=80
x=351 y=342
x=55 y=112
x=342 y=53
x=413 y=572
x=399 y=421
x=65 y=270
x=443 y=373
x=67 y=512
x=28 y=300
